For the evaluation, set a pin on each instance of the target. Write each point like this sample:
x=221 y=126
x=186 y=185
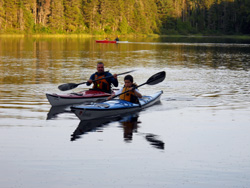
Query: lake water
x=198 y=136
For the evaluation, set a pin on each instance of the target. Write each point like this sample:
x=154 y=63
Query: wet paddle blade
x=68 y=86
x=157 y=78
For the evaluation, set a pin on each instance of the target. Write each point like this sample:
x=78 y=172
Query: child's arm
x=137 y=93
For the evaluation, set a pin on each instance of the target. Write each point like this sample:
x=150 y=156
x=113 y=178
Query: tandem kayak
x=76 y=98
x=110 y=41
x=114 y=107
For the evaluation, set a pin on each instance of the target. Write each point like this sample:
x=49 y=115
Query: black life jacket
x=101 y=84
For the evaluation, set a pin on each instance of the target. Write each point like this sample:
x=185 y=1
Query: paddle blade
x=156 y=78
x=68 y=86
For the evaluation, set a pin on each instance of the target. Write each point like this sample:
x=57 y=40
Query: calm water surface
x=198 y=136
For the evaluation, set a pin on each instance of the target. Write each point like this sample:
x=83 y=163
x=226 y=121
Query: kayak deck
x=110 y=41
x=105 y=41
x=113 y=107
x=76 y=98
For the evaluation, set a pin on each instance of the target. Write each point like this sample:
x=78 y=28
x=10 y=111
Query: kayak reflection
x=56 y=110
x=86 y=126
x=129 y=124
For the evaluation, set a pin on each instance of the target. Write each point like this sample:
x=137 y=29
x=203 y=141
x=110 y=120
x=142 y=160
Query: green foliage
x=10 y=14
x=56 y=20
x=27 y=21
x=2 y=16
x=39 y=28
x=73 y=16
x=125 y=16
x=123 y=26
x=184 y=27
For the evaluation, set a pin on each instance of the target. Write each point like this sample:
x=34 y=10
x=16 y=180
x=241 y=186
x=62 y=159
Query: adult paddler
x=103 y=84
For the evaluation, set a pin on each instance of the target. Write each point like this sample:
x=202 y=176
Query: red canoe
x=105 y=41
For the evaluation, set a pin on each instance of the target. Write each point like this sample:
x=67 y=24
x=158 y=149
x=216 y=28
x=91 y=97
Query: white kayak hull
x=121 y=41
x=76 y=98
x=114 y=107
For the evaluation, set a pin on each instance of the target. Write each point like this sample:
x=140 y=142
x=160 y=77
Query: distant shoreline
x=122 y=36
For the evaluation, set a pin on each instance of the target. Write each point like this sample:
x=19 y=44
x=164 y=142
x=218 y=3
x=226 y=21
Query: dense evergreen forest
x=125 y=16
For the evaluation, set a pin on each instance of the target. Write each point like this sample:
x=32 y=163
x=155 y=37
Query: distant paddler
x=117 y=39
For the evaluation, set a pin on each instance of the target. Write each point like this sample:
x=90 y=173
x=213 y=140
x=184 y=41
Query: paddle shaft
x=127 y=91
x=155 y=79
x=69 y=86
x=105 y=77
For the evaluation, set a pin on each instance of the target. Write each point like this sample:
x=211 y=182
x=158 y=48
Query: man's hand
x=115 y=76
x=90 y=81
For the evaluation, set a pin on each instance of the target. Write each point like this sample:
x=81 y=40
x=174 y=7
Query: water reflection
x=56 y=110
x=129 y=124
x=154 y=141
x=61 y=60
x=88 y=126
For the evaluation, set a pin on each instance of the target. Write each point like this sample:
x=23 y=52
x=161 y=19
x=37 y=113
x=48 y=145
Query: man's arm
x=90 y=81
x=113 y=79
x=115 y=82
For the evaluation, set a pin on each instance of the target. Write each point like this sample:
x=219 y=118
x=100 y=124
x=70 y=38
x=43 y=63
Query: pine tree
x=26 y=18
x=125 y=16
x=91 y=15
x=123 y=26
x=2 y=16
x=73 y=17
x=56 y=20
x=11 y=14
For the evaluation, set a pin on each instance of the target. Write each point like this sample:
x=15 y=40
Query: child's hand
x=132 y=88
x=110 y=97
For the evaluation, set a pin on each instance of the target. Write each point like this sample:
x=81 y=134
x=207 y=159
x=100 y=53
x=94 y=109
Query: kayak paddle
x=155 y=79
x=68 y=86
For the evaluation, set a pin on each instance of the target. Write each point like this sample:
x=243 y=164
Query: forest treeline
x=125 y=16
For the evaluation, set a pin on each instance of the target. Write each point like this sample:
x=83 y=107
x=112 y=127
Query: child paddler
x=133 y=94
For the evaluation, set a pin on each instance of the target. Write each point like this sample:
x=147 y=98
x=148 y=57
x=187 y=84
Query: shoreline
x=122 y=36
